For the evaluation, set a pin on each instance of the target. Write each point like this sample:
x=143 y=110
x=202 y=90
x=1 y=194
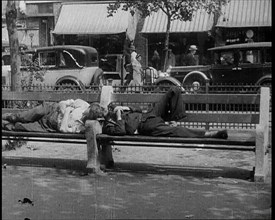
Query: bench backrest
x=212 y=108
x=200 y=108
x=16 y=101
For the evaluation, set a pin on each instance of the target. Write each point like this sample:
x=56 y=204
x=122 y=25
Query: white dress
x=137 y=74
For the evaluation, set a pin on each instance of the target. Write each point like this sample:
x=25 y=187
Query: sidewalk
x=147 y=183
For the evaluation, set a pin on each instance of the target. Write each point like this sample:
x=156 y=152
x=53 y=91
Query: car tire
x=195 y=84
x=67 y=87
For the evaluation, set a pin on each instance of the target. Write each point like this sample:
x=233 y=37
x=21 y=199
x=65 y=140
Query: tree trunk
x=11 y=15
x=166 y=44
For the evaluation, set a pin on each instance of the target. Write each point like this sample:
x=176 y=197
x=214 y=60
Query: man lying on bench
x=67 y=116
x=123 y=120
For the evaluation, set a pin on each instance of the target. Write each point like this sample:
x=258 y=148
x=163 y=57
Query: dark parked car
x=247 y=63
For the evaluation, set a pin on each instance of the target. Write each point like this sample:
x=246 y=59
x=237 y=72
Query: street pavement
x=146 y=184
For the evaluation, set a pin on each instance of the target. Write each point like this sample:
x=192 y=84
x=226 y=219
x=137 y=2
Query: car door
x=55 y=65
x=250 y=67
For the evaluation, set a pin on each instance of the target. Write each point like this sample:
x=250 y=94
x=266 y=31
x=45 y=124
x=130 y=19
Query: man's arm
x=64 y=126
x=64 y=104
x=117 y=128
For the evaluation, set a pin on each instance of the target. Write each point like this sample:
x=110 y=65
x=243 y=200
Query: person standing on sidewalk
x=129 y=66
x=137 y=72
x=191 y=59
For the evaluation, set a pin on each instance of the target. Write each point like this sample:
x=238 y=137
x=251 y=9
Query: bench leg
x=262 y=168
x=92 y=128
x=106 y=156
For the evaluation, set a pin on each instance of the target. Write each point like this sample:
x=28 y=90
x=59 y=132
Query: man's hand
x=121 y=108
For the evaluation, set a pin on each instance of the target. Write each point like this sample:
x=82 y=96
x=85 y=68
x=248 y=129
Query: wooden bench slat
x=199 y=117
x=191 y=98
x=49 y=96
x=222 y=118
x=134 y=98
x=188 y=145
x=42 y=134
x=172 y=140
x=103 y=137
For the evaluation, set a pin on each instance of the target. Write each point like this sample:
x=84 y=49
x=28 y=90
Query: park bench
x=239 y=112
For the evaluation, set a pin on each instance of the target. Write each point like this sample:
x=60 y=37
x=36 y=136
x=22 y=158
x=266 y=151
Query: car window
x=71 y=59
x=224 y=58
x=250 y=56
x=47 y=58
x=94 y=58
x=62 y=60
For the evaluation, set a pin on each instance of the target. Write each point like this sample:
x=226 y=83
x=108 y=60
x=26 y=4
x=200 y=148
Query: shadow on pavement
x=146 y=168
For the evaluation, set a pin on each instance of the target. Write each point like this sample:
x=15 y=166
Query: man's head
x=193 y=49
x=94 y=112
x=111 y=113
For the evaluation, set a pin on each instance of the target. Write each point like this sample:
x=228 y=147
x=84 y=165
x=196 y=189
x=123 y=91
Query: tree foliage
x=174 y=9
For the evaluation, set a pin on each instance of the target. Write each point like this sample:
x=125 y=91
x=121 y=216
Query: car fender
x=203 y=75
x=70 y=78
x=170 y=79
x=263 y=79
x=97 y=75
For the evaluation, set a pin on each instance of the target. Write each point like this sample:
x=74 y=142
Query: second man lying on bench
x=123 y=120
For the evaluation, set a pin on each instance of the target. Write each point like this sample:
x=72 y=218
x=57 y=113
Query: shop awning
x=246 y=13
x=90 y=18
x=156 y=23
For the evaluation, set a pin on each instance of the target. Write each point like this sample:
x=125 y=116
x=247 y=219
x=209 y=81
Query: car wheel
x=267 y=84
x=195 y=84
x=67 y=87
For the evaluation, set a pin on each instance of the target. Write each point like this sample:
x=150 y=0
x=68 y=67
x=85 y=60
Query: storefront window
x=45 y=8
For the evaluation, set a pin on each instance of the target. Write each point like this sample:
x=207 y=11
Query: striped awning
x=156 y=23
x=246 y=13
x=90 y=18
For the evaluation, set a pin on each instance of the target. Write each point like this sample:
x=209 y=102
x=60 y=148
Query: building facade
x=86 y=23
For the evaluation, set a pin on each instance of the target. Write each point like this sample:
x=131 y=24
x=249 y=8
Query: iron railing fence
x=147 y=87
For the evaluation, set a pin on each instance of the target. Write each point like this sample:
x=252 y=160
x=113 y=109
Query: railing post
x=207 y=104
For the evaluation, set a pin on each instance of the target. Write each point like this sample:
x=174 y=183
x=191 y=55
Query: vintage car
x=65 y=65
x=247 y=63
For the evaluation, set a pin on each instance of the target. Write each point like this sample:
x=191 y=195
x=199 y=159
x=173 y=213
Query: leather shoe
x=216 y=134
